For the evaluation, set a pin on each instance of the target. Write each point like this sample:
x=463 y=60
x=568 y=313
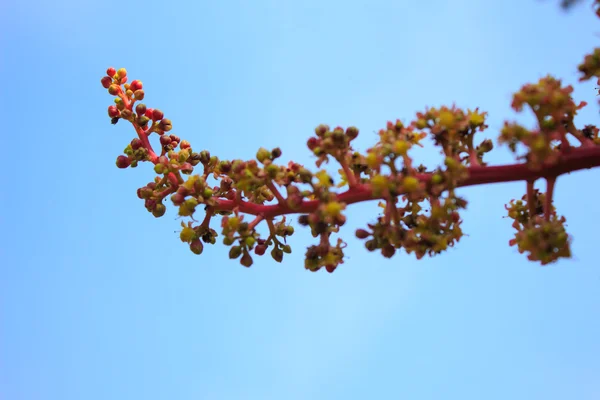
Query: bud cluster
x=555 y=110
x=539 y=233
x=453 y=130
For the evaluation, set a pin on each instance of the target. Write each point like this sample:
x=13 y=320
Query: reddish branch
x=577 y=159
x=540 y=231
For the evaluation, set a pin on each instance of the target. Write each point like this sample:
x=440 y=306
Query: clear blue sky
x=99 y=300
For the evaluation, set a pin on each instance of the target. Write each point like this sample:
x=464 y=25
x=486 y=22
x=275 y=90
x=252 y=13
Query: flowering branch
x=421 y=207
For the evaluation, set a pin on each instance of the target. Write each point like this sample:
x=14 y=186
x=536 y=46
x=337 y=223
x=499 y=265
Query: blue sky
x=99 y=300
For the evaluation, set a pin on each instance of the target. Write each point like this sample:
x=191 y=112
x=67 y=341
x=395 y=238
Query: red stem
x=146 y=143
x=530 y=199
x=577 y=159
x=256 y=221
x=350 y=176
x=275 y=192
x=549 y=193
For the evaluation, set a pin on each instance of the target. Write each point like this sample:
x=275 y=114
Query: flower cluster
x=541 y=234
x=421 y=207
x=394 y=178
x=555 y=110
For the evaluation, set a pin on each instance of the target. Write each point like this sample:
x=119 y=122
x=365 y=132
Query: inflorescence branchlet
x=421 y=209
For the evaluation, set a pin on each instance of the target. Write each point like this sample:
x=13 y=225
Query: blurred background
x=100 y=300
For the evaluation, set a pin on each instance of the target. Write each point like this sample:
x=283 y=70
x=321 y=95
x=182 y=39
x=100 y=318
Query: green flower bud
x=410 y=183
x=187 y=234
x=263 y=154
x=143 y=120
x=235 y=252
x=159 y=210
x=160 y=169
x=272 y=171
x=436 y=179
x=277 y=254
x=204 y=156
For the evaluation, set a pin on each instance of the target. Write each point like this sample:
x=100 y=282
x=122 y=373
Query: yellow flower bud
x=334 y=208
x=421 y=124
x=372 y=160
x=410 y=183
x=187 y=234
x=476 y=119
x=401 y=147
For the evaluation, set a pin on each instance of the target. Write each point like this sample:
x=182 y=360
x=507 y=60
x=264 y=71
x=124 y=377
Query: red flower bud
x=362 y=234
x=177 y=199
x=352 y=132
x=135 y=85
x=106 y=81
x=455 y=217
x=246 y=260
x=186 y=168
x=140 y=109
x=321 y=130
x=260 y=249
x=185 y=145
x=157 y=114
x=388 y=251
x=113 y=111
x=303 y=220
x=149 y=112
x=123 y=161
x=196 y=246
x=150 y=204
x=111 y=72
x=136 y=144
x=182 y=190
x=165 y=140
x=330 y=268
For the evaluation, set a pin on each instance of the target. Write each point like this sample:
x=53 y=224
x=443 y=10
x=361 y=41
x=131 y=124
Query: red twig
x=275 y=192
x=549 y=193
x=577 y=159
x=530 y=198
